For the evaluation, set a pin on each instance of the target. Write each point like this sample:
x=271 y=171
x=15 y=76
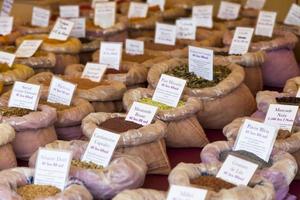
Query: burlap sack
x=7 y=155
x=88 y=47
x=249 y=13
x=141 y=194
x=108 y=106
x=123 y=172
x=183 y=128
x=18 y=72
x=13 y=178
x=28 y=29
x=10 y=38
x=218 y=29
x=222 y=103
x=240 y=22
x=144 y=142
x=47 y=61
x=183 y=173
x=280 y=174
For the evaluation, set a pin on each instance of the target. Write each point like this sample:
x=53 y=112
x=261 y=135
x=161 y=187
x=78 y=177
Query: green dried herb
x=160 y=106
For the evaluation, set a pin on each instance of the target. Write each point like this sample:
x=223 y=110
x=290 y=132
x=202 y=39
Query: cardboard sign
x=61 y=91
x=134 y=47
x=237 y=171
x=229 y=11
x=94 y=71
x=28 y=48
x=111 y=54
x=7 y=58
x=52 y=168
x=169 y=90
x=203 y=16
x=40 y=17
x=201 y=62
x=265 y=23
x=137 y=10
x=61 y=29
x=241 y=40
x=101 y=147
x=293 y=16
x=165 y=34
x=79 y=28
x=186 y=29
x=186 y=193
x=140 y=113
x=257 y=138
x=160 y=3
x=105 y=14
x=6 y=25
x=69 y=11
x=6 y=7
x=255 y=4
x=24 y=95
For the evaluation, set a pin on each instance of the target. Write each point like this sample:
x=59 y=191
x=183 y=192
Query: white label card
x=79 y=29
x=28 y=48
x=282 y=116
x=94 y=71
x=7 y=7
x=203 y=16
x=7 y=58
x=111 y=54
x=101 y=147
x=257 y=138
x=237 y=171
x=61 y=29
x=98 y=1
x=165 y=34
x=293 y=16
x=71 y=11
x=298 y=93
x=137 y=10
x=6 y=25
x=169 y=90
x=160 y=3
x=61 y=91
x=105 y=14
x=24 y=95
x=177 y=192
x=134 y=47
x=255 y=4
x=52 y=168
x=186 y=28
x=201 y=62
x=140 y=113
x=241 y=40
x=265 y=23
x=40 y=17
x=229 y=10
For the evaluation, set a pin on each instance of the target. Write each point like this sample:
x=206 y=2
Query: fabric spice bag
x=123 y=172
x=11 y=179
x=10 y=38
x=7 y=154
x=183 y=128
x=281 y=172
x=146 y=142
x=222 y=103
x=141 y=194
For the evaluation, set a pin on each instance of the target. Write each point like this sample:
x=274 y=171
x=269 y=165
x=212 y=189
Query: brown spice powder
x=58 y=106
x=31 y=192
x=211 y=183
x=162 y=47
x=119 y=125
x=136 y=58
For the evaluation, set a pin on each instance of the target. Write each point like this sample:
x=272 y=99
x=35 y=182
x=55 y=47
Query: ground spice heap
x=8 y=112
x=31 y=192
x=288 y=100
x=211 y=183
x=119 y=125
x=259 y=38
x=162 y=47
x=58 y=106
x=82 y=83
x=4 y=67
x=160 y=106
x=136 y=58
x=85 y=165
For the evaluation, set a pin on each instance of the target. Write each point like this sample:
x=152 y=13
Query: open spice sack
x=123 y=172
x=239 y=22
x=17 y=183
x=183 y=129
x=280 y=170
x=224 y=99
x=9 y=39
x=145 y=142
x=28 y=29
x=141 y=194
x=7 y=154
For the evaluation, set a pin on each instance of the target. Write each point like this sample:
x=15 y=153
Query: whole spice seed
x=19 y=112
x=32 y=192
x=85 y=165
x=119 y=125
x=211 y=183
x=160 y=106
x=288 y=100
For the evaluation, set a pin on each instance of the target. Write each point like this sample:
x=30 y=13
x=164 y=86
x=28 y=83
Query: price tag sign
x=61 y=91
x=229 y=11
x=165 y=34
x=94 y=2
x=265 y=23
x=160 y=3
x=298 y=93
x=282 y=116
x=7 y=7
x=79 y=28
x=71 y=11
x=201 y=62
x=137 y=10
x=255 y=4
x=134 y=47
x=186 y=29
x=111 y=54
x=169 y=90
x=186 y=193
x=52 y=168
x=40 y=17
x=237 y=171
x=24 y=95
x=94 y=71
x=241 y=40
x=7 y=58
x=105 y=14
x=28 y=48
x=203 y=16
x=140 y=113
x=293 y=16
x=61 y=29
x=6 y=25
x=101 y=147
x=257 y=138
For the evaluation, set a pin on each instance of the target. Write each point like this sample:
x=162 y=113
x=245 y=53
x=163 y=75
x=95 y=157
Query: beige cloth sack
x=19 y=72
x=141 y=194
x=7 y=154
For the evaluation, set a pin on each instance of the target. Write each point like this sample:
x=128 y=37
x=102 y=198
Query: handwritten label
x=229 y=10
x=69 y=11
x=140 y=113
x=137 y=10
x=134 y=47
x=255 y=4
x=61 y=91
x=203 y=16
x=160 y=3
x=177 y=192
x=169 y=90
x=98 y=1
x=6 y=25
x=101 y=147
x=61 y=29
x=201 y=62
x=111 y=54
x=293 y=16
x=7 y=58
x=28 y=48
x=186 y=29
x=241 y=40
x=105 y=14
x=40 y=17
x=79 y=28
x=257 y=138
x=237 y=171
x=52 y=168
x=7 y=7
x=265 y=23
x=94 y=71
x=24 y=95
x=165 y=34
